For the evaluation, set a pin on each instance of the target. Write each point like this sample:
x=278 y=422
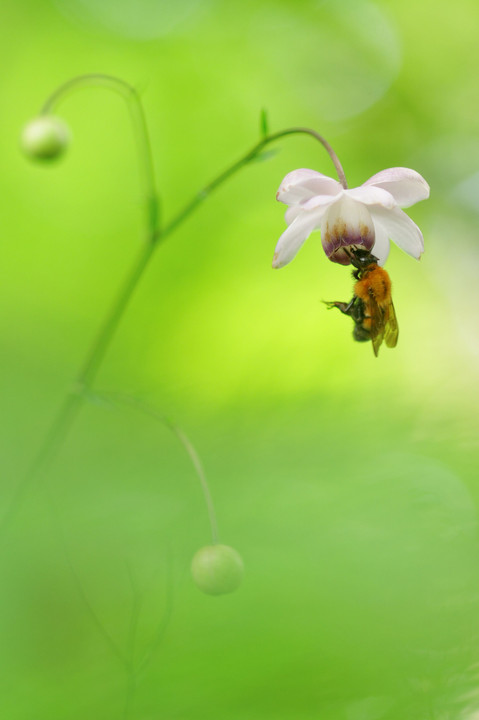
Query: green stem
x=134 y=620
x=194 y=457
x=100 y=346
x=251 y=155
x=163 y=624
x=109 y=641
x=152 y=412
x=131 y=646
x=155 y=235
x=140 y=131
x=130 y=694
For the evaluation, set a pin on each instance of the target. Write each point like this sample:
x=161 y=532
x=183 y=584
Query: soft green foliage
x=347 y=483
x=264 y=123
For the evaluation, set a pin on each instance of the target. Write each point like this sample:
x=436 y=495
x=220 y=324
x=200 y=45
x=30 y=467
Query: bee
x=371 y=307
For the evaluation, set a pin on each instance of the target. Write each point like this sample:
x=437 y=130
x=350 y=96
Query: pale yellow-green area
x=348 y=483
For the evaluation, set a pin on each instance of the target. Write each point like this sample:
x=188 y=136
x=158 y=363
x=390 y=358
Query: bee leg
x=345 y=308
x=348 y=309
x=341 y=306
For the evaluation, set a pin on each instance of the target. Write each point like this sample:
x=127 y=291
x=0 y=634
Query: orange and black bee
x=371 y=307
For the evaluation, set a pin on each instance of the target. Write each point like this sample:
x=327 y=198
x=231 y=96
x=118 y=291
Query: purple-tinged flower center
x=346 y=223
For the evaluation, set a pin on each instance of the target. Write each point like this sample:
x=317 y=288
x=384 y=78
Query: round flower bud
x=217 y=569
x=45 y=138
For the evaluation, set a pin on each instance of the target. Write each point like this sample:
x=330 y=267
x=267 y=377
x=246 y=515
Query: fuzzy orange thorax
x=374 y=284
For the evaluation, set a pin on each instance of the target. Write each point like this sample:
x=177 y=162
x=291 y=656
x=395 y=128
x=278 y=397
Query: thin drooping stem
x=193 y=455
x=131 y=645
x=127 y=659
x=249 y=157
x=97 y=352
x=108 y=639
x=140 y=131
x=73 y=401
x=71 y=405
x=150 y=411
x=155 y=235
x=134 y=618
x=162 y=625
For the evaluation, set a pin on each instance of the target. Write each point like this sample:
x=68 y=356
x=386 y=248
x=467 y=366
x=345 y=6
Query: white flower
x=367 y=216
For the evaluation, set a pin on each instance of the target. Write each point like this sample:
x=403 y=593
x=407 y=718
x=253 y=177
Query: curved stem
x=194 y=457
x=131 y=645
x=324 y=143
x=140 y=131
x=134 y=619
x=108 y=639
x=251 y=155
x=163 y=624
x=99 y=347
x=72 y=403
x=152 y=412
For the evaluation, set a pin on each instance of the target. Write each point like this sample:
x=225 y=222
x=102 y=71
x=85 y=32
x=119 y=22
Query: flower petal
x=370 y=195
x=314 y=202
x=346 y=222
x=303 y=184
x=295 y=235
x=292 y=213
x=319 y=200
x=381 y=245
x=405 y=185
x=400 y=229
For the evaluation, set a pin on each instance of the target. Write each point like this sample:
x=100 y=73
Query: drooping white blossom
x=368 y=216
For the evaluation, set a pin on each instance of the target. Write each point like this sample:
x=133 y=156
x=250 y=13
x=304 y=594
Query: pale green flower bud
x=45 y=138
x=217 y=569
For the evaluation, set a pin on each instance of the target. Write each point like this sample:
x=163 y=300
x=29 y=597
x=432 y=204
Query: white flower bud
x=217 y=569
x=45 y=138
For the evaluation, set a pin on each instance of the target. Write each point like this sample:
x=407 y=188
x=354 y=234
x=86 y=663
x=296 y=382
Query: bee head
x=361 y=258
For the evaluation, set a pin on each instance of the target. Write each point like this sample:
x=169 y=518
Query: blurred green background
x=348 y=483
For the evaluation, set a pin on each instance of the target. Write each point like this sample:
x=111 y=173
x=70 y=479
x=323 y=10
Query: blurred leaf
x=265 y=155
x=263 y=121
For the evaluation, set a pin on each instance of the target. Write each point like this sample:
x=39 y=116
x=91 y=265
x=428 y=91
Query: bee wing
x=391 y=330
x=384 y=326
x=377 y=324
x=377 y=341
